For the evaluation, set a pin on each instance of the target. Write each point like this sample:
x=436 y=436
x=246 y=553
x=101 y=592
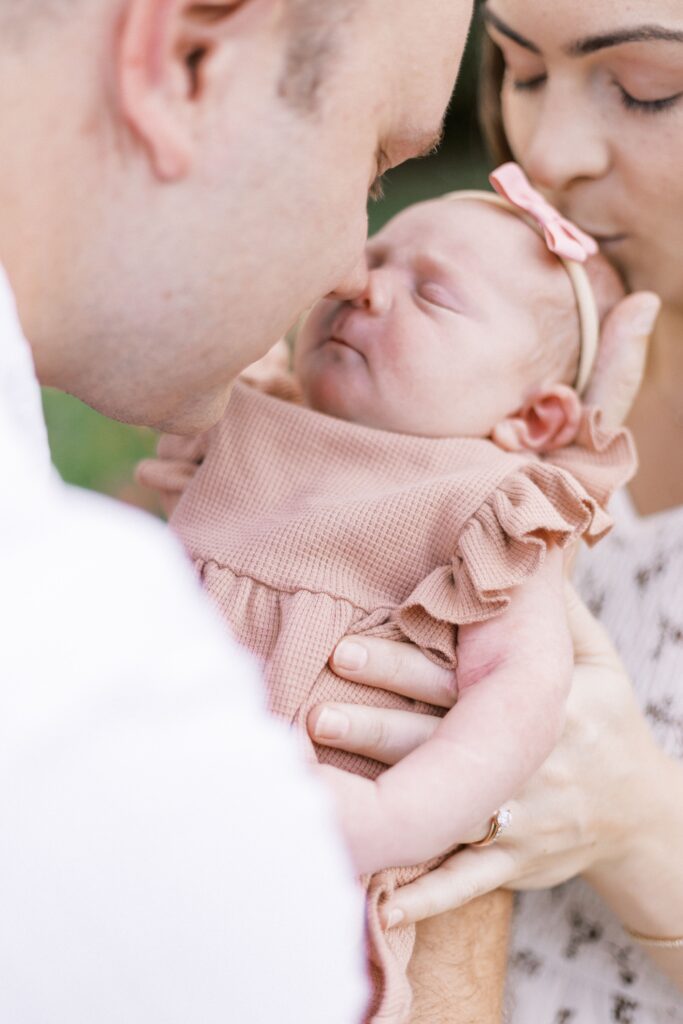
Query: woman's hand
x=620 y=365
x=586 y=806
x=607 y=804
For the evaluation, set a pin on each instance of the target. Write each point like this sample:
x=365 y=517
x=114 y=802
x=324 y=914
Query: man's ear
x=547 y=421
x=163 y=50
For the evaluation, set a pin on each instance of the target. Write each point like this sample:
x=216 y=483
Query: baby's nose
x=376 y=297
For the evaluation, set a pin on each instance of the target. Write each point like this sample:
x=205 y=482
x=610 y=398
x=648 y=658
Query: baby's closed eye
x=438 y=295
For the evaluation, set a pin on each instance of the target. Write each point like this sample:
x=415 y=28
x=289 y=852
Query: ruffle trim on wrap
x=600 y=459
x=505 y=541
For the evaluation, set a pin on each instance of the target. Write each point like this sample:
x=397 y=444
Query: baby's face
x=443 y=341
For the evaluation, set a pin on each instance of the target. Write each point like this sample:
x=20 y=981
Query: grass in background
x=94 y=452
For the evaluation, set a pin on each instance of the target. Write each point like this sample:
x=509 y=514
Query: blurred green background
x=94 y=452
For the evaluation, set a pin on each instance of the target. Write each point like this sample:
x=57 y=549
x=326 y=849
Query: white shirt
x=164 y=855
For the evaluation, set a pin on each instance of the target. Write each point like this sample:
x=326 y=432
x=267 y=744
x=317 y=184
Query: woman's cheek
x=519 y=120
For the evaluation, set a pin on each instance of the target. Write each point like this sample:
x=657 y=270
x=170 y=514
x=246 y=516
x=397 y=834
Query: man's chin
x=193 y=416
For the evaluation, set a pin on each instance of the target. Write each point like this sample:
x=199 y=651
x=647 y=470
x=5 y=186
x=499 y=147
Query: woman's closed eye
x=523 y=70
x=529 y=84
x=650 y=106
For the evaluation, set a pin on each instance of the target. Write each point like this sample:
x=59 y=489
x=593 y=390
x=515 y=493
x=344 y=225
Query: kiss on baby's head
x=469 y=326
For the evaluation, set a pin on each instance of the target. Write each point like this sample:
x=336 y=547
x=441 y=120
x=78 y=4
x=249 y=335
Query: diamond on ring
x=499 y=822
x=504 y=818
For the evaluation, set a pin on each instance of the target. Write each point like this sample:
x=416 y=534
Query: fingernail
x=350 y=656
x=394 y=917
x=646 y=317
x=331 y=725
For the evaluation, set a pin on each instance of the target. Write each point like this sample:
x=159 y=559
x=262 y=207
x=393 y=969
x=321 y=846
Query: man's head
x=182 y=179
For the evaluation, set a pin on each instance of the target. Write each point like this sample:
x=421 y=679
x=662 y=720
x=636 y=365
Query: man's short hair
x=314 y=29
x=313 y=26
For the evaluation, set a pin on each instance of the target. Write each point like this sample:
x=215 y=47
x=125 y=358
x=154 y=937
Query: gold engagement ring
x=499 y=822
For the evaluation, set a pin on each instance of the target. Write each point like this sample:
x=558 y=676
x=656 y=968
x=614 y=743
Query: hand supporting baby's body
x=513 y=675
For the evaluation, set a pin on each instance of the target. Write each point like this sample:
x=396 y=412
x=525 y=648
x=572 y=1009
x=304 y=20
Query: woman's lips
x=603 y=236
x=607 y=240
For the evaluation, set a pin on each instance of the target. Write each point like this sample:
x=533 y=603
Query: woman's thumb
x=621 y=359
x=591 y=643
x=463 y=877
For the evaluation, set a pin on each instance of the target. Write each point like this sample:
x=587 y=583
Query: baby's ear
x=547 y=421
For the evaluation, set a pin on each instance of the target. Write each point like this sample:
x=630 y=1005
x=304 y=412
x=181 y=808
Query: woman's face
x=593 y=109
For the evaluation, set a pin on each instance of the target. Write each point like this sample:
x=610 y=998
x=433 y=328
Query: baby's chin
x=336 y=388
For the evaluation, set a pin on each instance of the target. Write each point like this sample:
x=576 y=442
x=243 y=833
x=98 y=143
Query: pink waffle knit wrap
x=305 y=529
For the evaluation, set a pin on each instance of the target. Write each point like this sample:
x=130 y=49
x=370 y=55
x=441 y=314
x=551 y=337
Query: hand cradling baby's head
x=466 y=322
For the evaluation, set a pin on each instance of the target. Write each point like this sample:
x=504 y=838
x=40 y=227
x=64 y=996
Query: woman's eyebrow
x=591 y=44
x=492 y=19
x=638 y=34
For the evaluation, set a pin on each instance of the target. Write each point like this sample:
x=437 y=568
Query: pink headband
x=569 y=243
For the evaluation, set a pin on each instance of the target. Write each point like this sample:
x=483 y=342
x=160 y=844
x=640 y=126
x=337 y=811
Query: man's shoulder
x=110 y=594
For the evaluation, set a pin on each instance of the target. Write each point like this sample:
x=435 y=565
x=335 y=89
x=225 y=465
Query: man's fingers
x=397 y=667
x=384 y=734
x=463 y=877
x=623 y=351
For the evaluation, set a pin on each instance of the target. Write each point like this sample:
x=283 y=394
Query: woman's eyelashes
x=648 y=106
x=529 y=84
x=525 y=81
x=627 y=100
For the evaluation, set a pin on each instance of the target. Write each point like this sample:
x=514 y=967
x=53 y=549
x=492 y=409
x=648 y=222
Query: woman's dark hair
x=491 y=72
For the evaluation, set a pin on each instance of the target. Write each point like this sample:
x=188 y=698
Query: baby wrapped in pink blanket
x=417 y=479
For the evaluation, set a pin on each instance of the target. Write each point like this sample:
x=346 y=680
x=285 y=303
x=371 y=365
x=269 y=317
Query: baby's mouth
x=340 y=344
x=340 y=341
x=337 y=338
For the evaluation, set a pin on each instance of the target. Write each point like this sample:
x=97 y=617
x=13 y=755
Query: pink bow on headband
x=562 y=237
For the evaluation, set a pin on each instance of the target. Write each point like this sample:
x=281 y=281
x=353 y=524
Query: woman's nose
x=568 y=142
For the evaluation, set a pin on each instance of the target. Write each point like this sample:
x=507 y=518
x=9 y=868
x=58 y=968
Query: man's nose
x=568 y=143
x=353 y=284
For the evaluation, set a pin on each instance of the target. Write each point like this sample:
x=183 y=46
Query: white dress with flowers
x=570 y=961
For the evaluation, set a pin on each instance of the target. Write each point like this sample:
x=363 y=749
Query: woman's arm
x=644 y=886
x=607 y=803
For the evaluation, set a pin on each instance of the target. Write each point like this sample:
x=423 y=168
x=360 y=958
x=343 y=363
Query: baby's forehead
x=463 y=225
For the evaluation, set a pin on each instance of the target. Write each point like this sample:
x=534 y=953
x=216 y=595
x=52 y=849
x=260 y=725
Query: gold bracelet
x=654 y=943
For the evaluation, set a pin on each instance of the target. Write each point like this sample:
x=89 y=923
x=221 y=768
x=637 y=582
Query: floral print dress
x=571 y=962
